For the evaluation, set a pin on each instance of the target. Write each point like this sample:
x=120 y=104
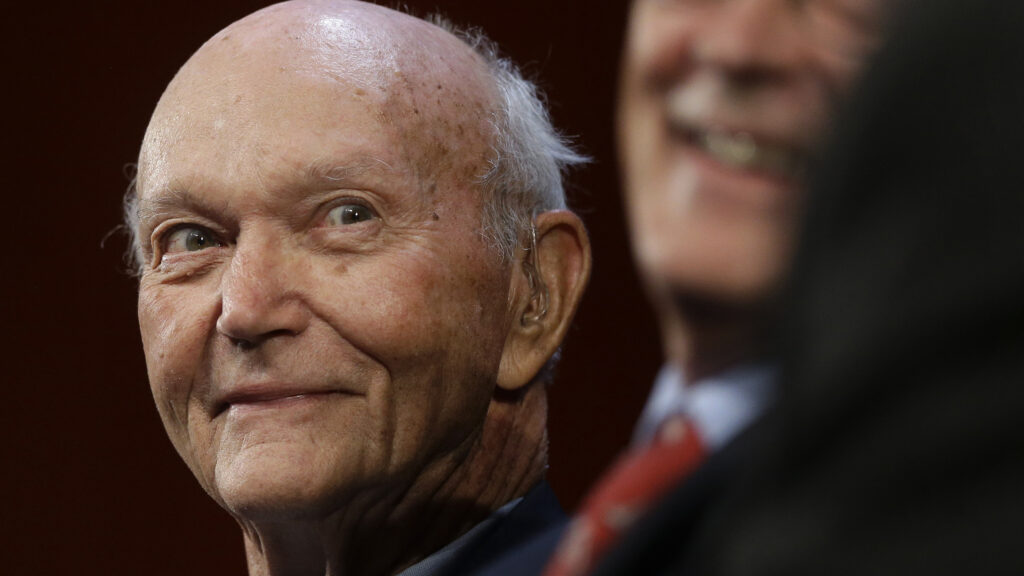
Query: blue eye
x=350 y=214
x=190 y=239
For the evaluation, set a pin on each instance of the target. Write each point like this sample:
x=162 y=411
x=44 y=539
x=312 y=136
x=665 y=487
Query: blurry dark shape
x=896 y=447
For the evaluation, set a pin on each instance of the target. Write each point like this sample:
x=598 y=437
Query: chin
x=278 y=482
x=740 y=269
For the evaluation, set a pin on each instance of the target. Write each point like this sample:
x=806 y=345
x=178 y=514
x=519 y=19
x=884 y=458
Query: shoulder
x=518 y=543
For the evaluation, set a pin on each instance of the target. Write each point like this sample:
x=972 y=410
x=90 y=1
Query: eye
x=350 y=214
x=190 y=239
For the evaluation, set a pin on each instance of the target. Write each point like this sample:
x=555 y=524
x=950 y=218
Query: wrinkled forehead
x=299 y=65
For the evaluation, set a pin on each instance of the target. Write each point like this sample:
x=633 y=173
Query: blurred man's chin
x=729 y=271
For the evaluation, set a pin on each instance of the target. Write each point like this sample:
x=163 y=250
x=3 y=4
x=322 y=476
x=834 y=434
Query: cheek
x=658 y=51
x=417 y=308
x=643 y=142
x=173 y=321
x=438 y=329
x=659 y=42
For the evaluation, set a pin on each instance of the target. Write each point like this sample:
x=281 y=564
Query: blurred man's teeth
x=742 y=151
x=737 y=150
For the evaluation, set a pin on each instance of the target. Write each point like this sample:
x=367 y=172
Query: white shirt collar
x=720 y=406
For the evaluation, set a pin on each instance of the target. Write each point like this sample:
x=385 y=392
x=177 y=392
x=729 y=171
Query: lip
x=261 y=396
x=753 y=154
x=713 y=182
x=758 y=135
x=710 y=102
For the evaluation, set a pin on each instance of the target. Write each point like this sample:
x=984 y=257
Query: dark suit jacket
x=897 y=443
x=657 y=535
x=539 y=513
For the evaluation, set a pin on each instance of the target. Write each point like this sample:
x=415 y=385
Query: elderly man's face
x=721 y=104
x=320 y=315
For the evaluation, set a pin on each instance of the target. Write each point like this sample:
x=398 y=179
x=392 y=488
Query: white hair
x=529 y=157
x=130 y=211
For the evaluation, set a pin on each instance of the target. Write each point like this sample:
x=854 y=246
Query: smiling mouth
x=270 y=400
x=742 y=151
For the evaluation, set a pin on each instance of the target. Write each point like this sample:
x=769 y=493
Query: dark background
x=90 y=483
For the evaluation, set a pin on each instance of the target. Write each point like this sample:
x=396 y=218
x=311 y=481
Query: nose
x=750 y=39
x=260 y=298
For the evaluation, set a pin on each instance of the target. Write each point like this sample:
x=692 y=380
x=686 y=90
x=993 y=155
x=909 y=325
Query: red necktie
x=636 y=480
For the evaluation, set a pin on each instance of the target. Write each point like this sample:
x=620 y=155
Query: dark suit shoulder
x=519 y=543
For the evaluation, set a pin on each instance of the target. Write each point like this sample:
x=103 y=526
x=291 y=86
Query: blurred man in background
x=722 y=107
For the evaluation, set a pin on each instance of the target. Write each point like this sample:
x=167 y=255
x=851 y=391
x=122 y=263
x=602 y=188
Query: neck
x=705 y=337
x=381 y=534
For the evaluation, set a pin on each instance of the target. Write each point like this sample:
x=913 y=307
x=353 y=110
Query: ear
x=548 y=278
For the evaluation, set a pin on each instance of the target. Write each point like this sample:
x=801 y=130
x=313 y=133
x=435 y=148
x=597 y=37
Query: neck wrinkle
x=500 y=463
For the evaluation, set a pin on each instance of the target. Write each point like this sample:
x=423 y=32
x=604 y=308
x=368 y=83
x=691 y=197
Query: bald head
x=463 y=97
x=343 y=39
x=325 y=319
x=299 y=60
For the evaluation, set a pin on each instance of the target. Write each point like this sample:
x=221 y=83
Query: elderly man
x=356 y=265
x=721 y=106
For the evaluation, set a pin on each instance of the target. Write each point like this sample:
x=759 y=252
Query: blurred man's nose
x=751 y=39
x=260 y=298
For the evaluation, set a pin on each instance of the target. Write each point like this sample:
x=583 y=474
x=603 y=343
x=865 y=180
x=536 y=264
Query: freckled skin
x=403 y=318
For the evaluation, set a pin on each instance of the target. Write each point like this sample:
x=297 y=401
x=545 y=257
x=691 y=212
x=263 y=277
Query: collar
x=720 y=406
x=438 y=562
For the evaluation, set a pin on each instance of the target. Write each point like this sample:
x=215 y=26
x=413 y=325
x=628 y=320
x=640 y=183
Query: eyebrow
x=320 y=171
x=169 y=200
